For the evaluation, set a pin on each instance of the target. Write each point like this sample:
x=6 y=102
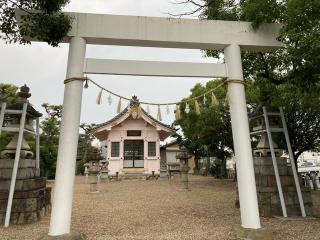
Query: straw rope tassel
x=98 y=100
x=197 y=106
x=178 y=113
x=214 y=100
x=119 y=106
x=159 y=114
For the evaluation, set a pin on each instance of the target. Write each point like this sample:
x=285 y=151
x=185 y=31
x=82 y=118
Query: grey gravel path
x=144 y=210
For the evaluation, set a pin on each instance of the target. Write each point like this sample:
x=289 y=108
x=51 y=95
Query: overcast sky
x=43 y=67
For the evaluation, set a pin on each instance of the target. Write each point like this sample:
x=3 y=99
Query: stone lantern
x=13 y=122
x=94 y=170
x=104 y=171
x=31 y=197
x=263 y=147
x=276 y=190
x=183 y=157
x=86 y=171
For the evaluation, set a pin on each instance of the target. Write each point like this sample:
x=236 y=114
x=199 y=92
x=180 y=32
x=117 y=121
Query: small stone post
x=104 y=172
x=93 y=178
x=183 y=156
x=86 y=172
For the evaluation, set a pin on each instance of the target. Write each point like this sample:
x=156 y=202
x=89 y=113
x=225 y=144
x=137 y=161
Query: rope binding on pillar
x=68 y=80
x=234 y=81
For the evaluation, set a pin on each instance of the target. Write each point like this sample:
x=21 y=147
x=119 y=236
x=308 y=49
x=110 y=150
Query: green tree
x=208 y=133
x=8 y=95
x=49 y=139
x=289 y=77
x=85 y=149
x=302 y=115
x=41 y=19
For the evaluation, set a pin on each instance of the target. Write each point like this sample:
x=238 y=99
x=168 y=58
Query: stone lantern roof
x=23 y=96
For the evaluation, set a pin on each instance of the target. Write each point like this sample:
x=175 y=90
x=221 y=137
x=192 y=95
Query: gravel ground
x=142 y=210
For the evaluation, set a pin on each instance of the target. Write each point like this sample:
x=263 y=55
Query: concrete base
x=250 y=234
x=71 y=236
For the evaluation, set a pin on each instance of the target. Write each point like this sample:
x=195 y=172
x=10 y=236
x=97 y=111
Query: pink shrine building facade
x=132 y=140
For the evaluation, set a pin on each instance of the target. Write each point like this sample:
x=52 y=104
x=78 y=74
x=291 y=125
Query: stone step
x=23 y=163
x=24 y=217
x=27 y=194
x=24 y=184
x=315 y=195
x=269 y=170
x=23 y=173
x=133 y=171
x=270 y=181
x=28 y=201
x=268 y=161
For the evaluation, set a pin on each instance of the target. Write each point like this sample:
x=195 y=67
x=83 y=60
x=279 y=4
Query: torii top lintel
x=173 y=32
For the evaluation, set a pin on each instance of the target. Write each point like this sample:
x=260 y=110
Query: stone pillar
x=68 y=141
x=241 y=139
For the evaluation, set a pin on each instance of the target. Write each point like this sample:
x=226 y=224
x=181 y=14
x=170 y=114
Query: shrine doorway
x=133 y=154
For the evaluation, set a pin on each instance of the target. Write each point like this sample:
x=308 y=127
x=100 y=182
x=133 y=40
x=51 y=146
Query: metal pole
x=293 y=165
x=37 y=144
x=60 y=221
x=3 y=110
x=275 y=166
x=16 y=164
x=241 y=139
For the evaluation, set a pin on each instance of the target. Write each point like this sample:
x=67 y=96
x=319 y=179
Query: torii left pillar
x=69 y=132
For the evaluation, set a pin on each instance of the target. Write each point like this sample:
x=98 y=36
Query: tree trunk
x=196 y=169
x=208 y=166
x=223 y=168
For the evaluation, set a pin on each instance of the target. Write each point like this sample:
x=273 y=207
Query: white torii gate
x=230 y=36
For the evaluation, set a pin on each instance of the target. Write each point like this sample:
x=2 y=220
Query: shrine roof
x=124 y=112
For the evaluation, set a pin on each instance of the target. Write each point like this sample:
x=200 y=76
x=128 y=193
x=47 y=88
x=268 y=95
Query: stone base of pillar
x=71 y=236
x=31 y=199
x=268 y=197
x=250 y=234
x=315 y=195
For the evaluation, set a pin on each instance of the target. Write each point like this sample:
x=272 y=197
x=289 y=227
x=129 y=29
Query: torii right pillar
x=241 y=139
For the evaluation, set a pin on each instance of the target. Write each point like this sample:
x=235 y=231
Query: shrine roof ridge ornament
x=171 y=32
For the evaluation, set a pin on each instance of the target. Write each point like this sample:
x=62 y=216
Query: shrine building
x=132 y=139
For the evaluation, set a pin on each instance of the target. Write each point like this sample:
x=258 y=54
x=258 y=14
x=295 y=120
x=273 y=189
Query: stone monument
x=32 y=199
x=267 y=192
x=183 y=157
x=94 y=170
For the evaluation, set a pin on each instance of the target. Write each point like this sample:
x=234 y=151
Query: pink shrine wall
x=148 y=134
